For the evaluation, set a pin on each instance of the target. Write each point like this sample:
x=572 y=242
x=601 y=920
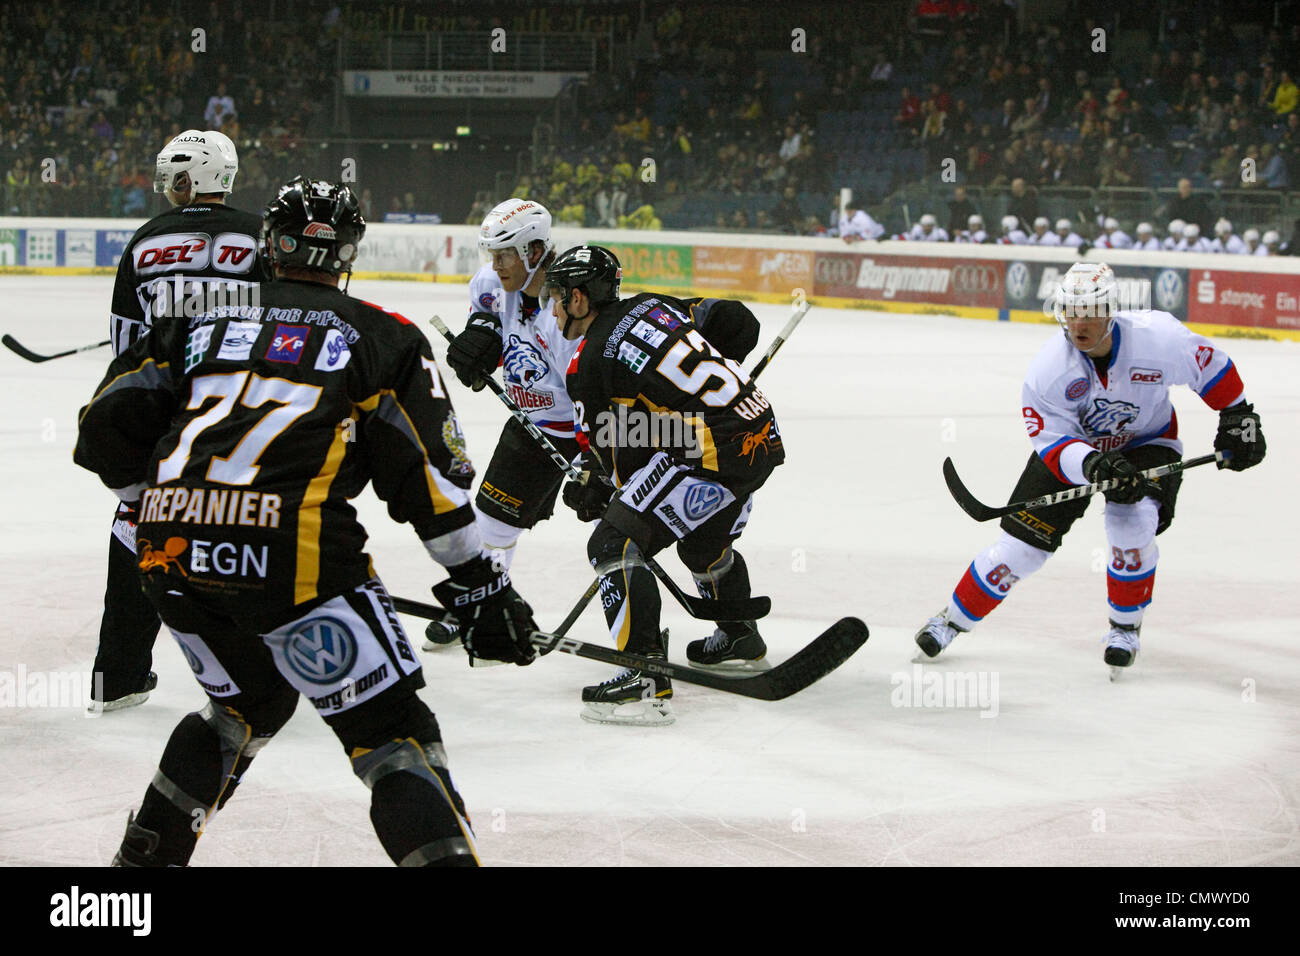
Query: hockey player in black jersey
x=176 y=264
x=240 y=435
x=687 y=440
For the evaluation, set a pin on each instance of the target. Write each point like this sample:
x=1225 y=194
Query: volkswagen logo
x=191 y=658
x=1018 y=281
x=1169 y=290
x=969 y=279
x=703 y=499
x=321 y=650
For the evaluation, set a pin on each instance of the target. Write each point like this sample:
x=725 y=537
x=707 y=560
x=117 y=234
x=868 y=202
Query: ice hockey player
x=1112 y=237
x=1250 y=243
x=510 y=327
x=1042 y=234
x=1096 y=406
x=1192 y=240
x=176 y=264
x=1269 y=246
x=856 y=223
x=240 y=436
x=928 y=230
x=1012 y=234
x=974 y=231
x=687 y=440
x=1224 y=241
x=1174 y=236
x=1065 y=232
x=1146 y=240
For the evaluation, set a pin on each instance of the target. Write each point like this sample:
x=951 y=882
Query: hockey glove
x=1113 y=466
x=476 y=352
x=590 y=497
x=494 y=620
x=730 y=328
x=1240 y=436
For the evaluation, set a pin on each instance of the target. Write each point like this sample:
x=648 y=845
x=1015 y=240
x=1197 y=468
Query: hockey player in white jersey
x=974 y=231
x=1224 y=241
x=1146 y=240
x=1012 y=234
x=1174 y=235
x=855 y=224
x=1112 y=237
x=1065 y=232
x=1042 y=234
x=1192 y=240
x=1250 y=242
x=1270 y=243
x=1096 y=407
x=928 y=229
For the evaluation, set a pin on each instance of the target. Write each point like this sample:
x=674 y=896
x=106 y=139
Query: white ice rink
x=1193 y=758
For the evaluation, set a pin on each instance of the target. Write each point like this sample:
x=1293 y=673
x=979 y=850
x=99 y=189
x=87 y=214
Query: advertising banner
x=645 y=264
x=1259 y=300
x=1029 y=284
x=911 y=278
x=456 y=83
x=727 y=268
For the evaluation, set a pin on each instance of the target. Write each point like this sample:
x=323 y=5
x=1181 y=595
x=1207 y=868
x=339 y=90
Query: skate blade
x=735 y=668
x=638 y=713
x=1116 y=672
x=433 y=646
x=121 y=703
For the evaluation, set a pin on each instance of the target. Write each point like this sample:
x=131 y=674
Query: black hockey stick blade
x=968 y=502
x=22 y=351
x=828 y=651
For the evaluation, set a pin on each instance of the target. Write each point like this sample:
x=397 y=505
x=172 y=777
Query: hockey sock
x=499 y=539
x=990 y=577
x=1131 y=572
x=628 y=592
x=414 y=807
x=725 y=578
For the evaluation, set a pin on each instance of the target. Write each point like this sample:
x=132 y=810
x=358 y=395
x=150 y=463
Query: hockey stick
x=707 y=609
x=828 y=650
x=22 y=351
x=785 y=333
x=982 y=512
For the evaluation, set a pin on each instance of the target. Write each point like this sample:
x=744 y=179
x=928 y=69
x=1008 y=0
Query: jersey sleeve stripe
x=307 y=566
x=147 y=375
x=1051 y=456
x=1224 y=389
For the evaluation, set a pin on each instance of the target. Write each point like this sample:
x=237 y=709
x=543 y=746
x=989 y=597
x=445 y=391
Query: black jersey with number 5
x=247 y=430
x=644 y=380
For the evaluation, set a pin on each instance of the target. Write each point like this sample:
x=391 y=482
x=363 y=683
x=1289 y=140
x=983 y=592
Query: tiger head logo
x=523 y=363
x=1109 y=416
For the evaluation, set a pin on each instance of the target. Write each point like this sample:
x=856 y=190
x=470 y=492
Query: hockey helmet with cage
x=593 y=269
x=207 y=158
x=516 y=224
x=313 y=224
x=1176 y=227
x=1084 y=291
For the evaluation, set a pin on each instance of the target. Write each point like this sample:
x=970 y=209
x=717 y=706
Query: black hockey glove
x=1113 y=466
x=494 y=620
x=588 y=498
x=1240 y=436
x=475 y=353
x=730 y=328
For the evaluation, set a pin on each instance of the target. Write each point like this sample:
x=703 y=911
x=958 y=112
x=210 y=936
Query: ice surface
x=1193 y=758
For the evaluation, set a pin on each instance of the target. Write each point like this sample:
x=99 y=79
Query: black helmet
x=314 y=225
x=593 y=269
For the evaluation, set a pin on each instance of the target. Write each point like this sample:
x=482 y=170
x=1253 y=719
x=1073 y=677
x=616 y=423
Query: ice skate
x=630 y=697
x=741 y=650
x=133 y=699
x=1121 y=647
x=937 y=634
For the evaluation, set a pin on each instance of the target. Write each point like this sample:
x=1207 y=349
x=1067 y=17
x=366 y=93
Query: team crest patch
x=488 y=301
x=454 y=439
x=1109 y=416
x=1076 y=389
x=287 y=344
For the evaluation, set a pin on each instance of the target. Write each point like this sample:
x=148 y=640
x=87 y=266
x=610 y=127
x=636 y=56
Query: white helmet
x=1009 y=223
x=515 y=224
x=928 y=220
x=1144 y=229
x=1176 y=227
x=1223 y=228
x=1271 y=238
x=1111 y=224
x=975 y=220
x=1042 y=222
x=1088 y=285
x=1251 y=235
x=208 y=158
x=1064 y=225
x=1191 y=231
